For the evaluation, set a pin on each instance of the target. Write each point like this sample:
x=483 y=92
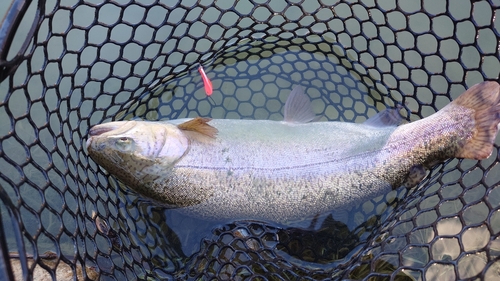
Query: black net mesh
x=67 y=65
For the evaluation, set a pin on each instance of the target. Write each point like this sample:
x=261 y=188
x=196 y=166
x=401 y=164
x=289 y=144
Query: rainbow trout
x=282 y=171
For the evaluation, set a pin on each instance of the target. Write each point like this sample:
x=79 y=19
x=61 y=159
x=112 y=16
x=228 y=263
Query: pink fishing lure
x=206 y=82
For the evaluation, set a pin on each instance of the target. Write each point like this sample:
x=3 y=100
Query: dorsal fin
x=387 y=117
x=199 y=125
x=298 y=107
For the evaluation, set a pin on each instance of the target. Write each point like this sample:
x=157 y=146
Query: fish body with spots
x=282 y=171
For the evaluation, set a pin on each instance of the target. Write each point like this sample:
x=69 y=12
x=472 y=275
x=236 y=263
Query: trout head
x=142 y=155
x=137 y=152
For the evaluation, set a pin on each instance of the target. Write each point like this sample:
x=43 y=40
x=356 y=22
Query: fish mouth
x=96 y=131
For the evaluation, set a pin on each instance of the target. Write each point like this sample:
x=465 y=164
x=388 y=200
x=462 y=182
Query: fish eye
x=124 y=143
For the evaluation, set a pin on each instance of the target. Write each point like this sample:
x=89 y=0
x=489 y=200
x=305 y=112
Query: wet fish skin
x=284 y=171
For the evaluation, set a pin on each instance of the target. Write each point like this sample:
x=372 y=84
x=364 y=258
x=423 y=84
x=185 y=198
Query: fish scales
x=253 y=163
x=306 y=174
x=283 y=171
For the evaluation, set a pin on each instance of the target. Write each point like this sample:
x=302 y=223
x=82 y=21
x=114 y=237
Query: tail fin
x=484 y=99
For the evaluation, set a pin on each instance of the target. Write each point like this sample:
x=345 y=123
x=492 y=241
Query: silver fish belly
x=284 y=171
